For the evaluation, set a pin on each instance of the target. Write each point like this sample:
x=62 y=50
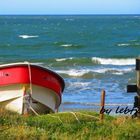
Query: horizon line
x=65 y=14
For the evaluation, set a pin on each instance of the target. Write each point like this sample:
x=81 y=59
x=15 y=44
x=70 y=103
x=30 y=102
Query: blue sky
x=69 y=7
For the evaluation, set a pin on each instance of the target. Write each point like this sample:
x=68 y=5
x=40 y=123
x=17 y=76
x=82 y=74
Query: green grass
x=82 y=125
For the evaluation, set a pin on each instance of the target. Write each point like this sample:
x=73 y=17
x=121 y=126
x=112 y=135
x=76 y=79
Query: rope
x=33 y=110
x=75 y=116
x=29 y=93
x=88 y=115
x=30 y=77
x=81 y=114
x=56 y=117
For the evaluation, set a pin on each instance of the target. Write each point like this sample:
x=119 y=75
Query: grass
x=81 y=125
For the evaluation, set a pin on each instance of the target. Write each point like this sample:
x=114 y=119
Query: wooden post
x=131 y=88
x=138 y=83
x=138 y=74
x=102 y=104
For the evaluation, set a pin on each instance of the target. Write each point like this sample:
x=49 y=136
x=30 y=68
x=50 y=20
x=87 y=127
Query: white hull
x=41 y=100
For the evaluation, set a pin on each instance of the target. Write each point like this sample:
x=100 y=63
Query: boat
x=27 y=88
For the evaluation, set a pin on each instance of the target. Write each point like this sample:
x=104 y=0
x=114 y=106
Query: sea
x=91 y=52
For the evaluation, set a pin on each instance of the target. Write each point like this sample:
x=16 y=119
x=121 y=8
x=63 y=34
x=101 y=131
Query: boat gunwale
x=38 y=66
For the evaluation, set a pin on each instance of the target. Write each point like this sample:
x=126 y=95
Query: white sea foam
x=63 y=59
x=116 y=71
x=66 y=45
x=81 y=72
x=124 y=44
x=113 y=61
x=60 y=59
x=80 y=84
x=74 y=72
x=104 y=61
x=28 y=36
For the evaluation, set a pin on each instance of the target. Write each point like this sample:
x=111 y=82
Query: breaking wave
x=91 y=72
x=28 y=36
x=97 y=61
x=72 y=61
x=114 y=61
x=134 y=44
x=124 y=44
x=66 y=45
x=74 y=72
x=63 y=59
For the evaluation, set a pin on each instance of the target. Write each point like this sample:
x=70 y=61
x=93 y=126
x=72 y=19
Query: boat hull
x=29 y=89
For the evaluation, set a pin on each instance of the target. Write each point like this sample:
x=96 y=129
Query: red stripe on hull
x=39 y=76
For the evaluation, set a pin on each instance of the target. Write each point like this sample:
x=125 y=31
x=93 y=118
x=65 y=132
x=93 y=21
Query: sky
x=51 y=7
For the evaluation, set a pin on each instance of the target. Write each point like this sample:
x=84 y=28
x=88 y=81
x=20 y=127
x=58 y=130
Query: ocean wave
x=72 y=61
x=28 y=36
x=91 y=72
x=89 y=62
x=66 y=45
x=63 y=59
x=124 y=44
x=79 y=84
x=115 y=71
x=97 y=60
x=73 y=72
x=133 y=43
x=114 y=61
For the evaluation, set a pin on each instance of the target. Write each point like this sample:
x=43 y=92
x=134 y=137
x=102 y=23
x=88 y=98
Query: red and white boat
x=27 y=88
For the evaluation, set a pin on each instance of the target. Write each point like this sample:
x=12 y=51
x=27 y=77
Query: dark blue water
x=90 y=52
